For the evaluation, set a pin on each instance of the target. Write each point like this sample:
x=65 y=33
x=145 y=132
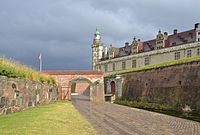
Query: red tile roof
x=181 y=38
x=73 y=72
x=172 y=40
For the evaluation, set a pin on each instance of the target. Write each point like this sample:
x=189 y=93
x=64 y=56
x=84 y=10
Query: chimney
x=126 y=44
x=175 y=31
x=165 y=35
x=197 y=25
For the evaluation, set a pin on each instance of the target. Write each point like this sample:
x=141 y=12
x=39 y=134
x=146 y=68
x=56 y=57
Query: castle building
x=141 y=53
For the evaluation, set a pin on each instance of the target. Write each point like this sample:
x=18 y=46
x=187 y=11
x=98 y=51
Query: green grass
x=60 y=118
x=12 y=69
x=152 y=66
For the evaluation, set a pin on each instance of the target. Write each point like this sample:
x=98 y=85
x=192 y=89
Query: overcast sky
x=62 y=30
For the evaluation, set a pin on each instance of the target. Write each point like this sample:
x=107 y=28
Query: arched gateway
x=85 y=82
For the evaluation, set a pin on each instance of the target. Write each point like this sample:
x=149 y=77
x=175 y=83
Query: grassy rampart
x=152 y=66
x=13 y=69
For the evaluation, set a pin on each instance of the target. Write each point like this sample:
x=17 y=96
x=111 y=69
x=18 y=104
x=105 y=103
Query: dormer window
x=159 y=42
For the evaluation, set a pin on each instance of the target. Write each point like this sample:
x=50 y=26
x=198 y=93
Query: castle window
x=146 y=61
x=177 y=55
x=189 y=53
x=199 y=39
x=124 y=65
x=106 y=67
x=134 y=64
x=99 y=67
x=159 y=47
x=113 y=66
x=198 y=51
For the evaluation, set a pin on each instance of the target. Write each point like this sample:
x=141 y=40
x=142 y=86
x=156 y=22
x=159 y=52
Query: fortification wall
x=19 y=94
x=178 y=86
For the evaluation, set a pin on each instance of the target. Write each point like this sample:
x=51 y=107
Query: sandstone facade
x=139 y=53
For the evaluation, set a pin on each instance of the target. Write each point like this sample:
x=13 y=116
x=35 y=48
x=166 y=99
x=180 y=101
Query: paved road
x=112 y=119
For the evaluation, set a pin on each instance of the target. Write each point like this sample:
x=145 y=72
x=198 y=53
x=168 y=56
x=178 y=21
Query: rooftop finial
x=97 y=34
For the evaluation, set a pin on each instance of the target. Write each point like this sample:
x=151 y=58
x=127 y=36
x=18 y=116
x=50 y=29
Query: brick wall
x=64 y=81
x=82 y=88
x=18 y=94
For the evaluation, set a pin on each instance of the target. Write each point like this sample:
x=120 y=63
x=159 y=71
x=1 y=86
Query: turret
x=197 y=29
x=97 y=50
x=160 y=40
x=135 y=45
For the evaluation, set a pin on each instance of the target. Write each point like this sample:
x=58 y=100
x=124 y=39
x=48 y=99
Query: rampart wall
x=19 y=94
x=178 y=86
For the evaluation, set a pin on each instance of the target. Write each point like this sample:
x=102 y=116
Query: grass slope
x=12 y=69
x=53 y=119
x=152 y=66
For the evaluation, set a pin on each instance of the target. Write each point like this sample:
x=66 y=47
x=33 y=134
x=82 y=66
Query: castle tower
x=159 y=40
x=97 y=50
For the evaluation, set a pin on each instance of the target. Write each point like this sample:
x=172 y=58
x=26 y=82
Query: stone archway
x=68 y=79
x=84 y=88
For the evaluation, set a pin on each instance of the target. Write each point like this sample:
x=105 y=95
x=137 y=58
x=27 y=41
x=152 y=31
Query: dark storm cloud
x=62 y=30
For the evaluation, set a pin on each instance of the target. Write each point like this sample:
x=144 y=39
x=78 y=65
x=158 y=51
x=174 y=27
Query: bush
x=142 y=104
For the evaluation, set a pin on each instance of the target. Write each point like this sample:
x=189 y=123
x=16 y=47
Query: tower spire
x=97 y=49
x=97 y=34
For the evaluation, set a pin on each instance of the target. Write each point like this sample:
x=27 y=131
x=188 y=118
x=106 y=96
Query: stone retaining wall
x=19 y=94
x=177 y=86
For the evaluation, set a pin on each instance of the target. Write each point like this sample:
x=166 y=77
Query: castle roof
x=172 y=40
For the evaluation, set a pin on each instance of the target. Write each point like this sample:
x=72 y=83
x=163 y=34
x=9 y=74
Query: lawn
x=60 y=118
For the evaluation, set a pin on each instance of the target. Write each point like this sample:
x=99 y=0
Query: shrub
x=143 y=104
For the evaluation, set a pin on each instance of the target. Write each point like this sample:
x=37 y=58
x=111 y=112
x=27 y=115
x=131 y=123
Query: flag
x=40 y=62
x=40 y=56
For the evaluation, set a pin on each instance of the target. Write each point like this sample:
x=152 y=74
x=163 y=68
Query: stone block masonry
x=177 y=86
x=19 y=94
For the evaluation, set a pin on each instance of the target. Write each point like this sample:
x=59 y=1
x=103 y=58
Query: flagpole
x=40 y=58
